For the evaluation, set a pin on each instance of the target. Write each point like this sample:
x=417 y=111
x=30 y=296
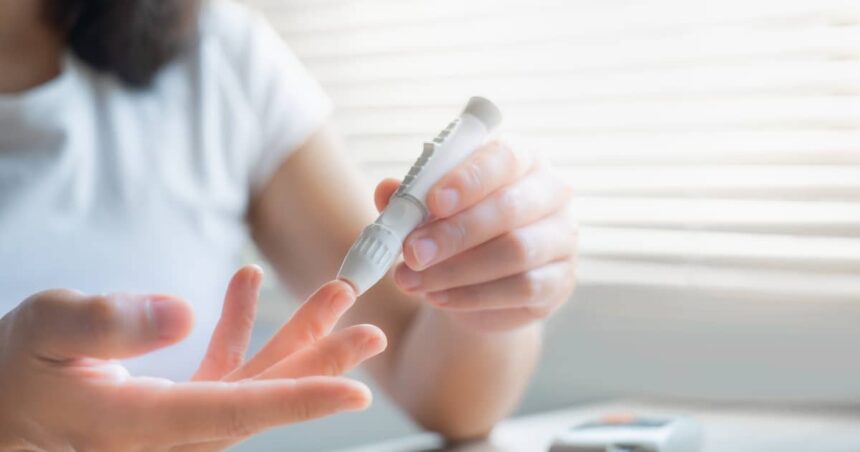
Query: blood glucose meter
x=626 y=433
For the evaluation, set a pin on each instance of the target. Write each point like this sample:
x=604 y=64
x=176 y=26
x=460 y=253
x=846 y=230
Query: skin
x=61 y=387
x=28 y=51
x=462 y=312
x=465 y=339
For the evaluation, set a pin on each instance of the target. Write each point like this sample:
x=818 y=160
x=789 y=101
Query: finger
x=491 y=167
x=312 y=321
x=518 y=251
x=202 y=411
x=63 y=324
x=333 y=355
x=535 y=289
x=383 y=192
x=538 y=195
x=233 y=333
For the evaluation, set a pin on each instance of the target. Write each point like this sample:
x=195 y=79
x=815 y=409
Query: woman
x=141 y=143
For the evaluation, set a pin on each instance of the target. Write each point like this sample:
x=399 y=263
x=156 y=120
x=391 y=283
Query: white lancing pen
x=379 y=245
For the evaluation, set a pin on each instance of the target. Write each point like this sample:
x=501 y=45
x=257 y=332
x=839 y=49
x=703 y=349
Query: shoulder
x=241 y=50
x=228 y=21
x=238 y=31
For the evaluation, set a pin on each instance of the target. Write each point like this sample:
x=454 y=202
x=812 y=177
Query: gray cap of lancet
x=484 y=110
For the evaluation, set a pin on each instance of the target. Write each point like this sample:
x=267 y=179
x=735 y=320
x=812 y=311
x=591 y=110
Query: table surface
x=728 y=427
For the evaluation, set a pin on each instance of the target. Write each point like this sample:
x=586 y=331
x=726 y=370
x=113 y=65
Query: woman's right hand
x=61 y=387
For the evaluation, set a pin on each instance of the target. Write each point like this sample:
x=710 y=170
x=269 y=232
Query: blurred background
x=715 y=150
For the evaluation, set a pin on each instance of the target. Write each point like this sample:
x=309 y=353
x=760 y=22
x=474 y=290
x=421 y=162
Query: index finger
x=203 y=411
x=491 y=167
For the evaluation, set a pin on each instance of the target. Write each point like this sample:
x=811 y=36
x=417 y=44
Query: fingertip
x=252 y=273
x=432 y=203
x=345 y=287
x=409 y=259
x=256 y=270
x=383 y=192
x=407 y=280
x=172 y=316
x=375 y=340
x=380 y=341
x=358 y=398
x=340 y=293
x=340 y=393
x=349 y=283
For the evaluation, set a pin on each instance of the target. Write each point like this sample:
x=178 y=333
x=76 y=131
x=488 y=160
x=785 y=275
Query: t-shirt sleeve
x=289 y=104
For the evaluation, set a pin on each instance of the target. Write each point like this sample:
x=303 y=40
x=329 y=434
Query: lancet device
x=379 y=245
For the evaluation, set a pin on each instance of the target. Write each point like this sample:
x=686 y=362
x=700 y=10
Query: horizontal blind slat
x=799 y=182
x=754 y=147
x=757 y=79
x=819 y=112
x=712 y=147
x=570 y=27
x=749 y=215
x=814 y=254
x=361 y=15
x=554 y=56
x=737 y=280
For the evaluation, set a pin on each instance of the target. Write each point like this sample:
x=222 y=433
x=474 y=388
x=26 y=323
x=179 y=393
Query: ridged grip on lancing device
x=379 y=245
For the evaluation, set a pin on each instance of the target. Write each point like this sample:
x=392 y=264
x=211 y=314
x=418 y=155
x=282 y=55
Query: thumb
x=62 y=324
x=383 y=192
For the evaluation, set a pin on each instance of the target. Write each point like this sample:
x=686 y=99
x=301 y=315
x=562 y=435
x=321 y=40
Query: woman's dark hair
x=132 y=39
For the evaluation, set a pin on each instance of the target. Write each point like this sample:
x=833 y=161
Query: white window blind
x=713 y=145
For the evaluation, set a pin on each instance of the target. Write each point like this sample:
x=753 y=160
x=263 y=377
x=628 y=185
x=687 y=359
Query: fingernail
x=438 y=297
x=169 y=315
x=407 y=279
x=447 y=200
x=424 y=251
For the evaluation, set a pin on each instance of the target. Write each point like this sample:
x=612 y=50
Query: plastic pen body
x=379 y=245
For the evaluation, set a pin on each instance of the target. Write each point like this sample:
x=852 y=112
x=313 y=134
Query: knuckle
x=520 y=248
x=315 y=330
x=441 y=277
x=530 y=287
x=31 y=311
x=539 y=312
x=233 y=356
x=509 y=205
x=38 y=310
x=570 y=271
x=43 y=304
x=334 y=364
x=471 y=177
x=102 y=316
x=454 y=232
x=303 y=409
x=238 y=424
x=512 y=156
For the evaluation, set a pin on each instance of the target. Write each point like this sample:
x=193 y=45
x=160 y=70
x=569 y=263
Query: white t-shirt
x=106 y=189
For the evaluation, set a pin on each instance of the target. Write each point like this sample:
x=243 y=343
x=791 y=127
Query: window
x=713 y=145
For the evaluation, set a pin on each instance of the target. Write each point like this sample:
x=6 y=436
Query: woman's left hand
x=500 y=250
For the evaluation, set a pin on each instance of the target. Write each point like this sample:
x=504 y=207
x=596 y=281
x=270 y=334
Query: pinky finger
x=536 y=290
